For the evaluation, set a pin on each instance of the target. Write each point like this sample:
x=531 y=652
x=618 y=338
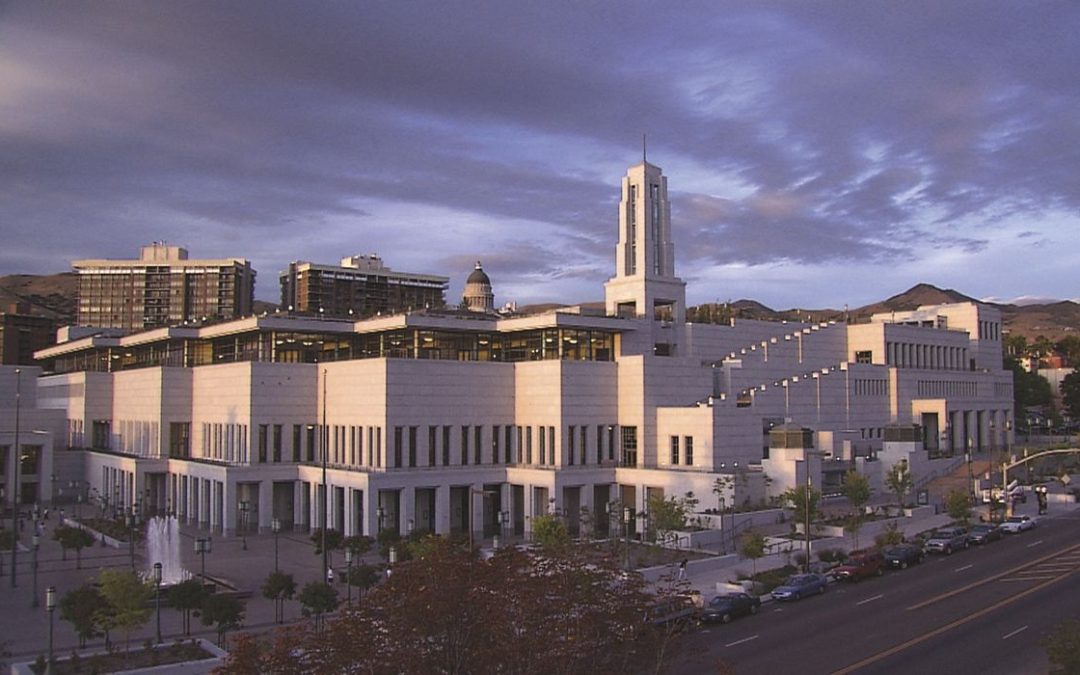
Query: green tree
x=72 y=538
x=549 y=531
x=671 y=513
x=79 y=607
x=128 y=599
x=804 y=509
x=316 y=599
x=856 y=488
x=359 y=545
x=186 y=597
x=334 y=540
x=1070 y=394
x=891 y=535
x=958 y=505
x=1062 y=647
x=1029 y=389
x=1069 y=347
x=752 y=546
x=279 y=587
x=223 y=611
x=363 y=577
x=900 y=481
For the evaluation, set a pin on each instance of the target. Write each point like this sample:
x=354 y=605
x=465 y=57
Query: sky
x=818 y=154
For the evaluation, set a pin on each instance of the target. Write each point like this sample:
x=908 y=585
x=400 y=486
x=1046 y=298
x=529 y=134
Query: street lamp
x=34 y=543
x=243 y=523
x=157 y=597
x=15 y=476
x=50 y=607
x=627 y=516
x=202 y=547
x=348 y=577
x=275 y=527
x=380 y=513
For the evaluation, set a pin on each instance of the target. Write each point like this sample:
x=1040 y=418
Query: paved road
x=981 y=610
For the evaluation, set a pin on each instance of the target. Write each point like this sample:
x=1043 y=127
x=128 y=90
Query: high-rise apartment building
x=361 y=286
x=162 y=288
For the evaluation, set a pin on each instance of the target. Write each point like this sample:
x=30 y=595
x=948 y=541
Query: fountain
x=163 y=546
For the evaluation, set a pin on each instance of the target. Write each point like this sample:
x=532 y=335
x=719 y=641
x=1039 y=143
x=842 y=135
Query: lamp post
x=275 y=527
x=243 y=523
x=202 y=547
x=34 y=543
x=157 y=597
x=50 y=607
x=15 y=476
x=325 y=488
x=627 y=516
x=132 y=523
x=348 y=577
x=380 y=513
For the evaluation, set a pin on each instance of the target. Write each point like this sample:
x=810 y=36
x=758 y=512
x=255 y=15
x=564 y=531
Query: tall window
x=446 y=446
x=509 y=449
x=688 y=442
x=297 y=440
x=412 y=446
x=584 y=444
x=465 y=444
x=543 y=452
x=570 y=449
x=399 y=441
x=629 y=446
x=310 y=440
x=277 y=442
x=263 y=442
x=674 y=450
x=478 y=437
x=495 y=444
x=528 y=445
x=432 y=441
x=551 y=445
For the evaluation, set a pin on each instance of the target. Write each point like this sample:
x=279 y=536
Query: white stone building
x=443 y=421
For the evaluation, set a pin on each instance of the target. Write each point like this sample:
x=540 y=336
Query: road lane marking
x=1027 y=579
x=947 y=627
x=1015 y=632
x=965 y=567
x=863 y=602
x=739 y=642
x=1001 y=575
x=1035 y=543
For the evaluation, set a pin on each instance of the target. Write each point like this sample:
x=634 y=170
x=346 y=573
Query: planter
x=195 y=667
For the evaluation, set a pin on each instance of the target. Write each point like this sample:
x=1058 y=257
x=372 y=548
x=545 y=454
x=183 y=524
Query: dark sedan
x=984 y=534
x=724 y=608
x=902 y=556
x=799 y=586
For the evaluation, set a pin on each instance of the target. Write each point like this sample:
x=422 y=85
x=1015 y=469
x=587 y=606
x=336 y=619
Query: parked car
x=1015 y=524
x=984 y=534
x=946 y=540
x=673 y=613
x=860 y=565
x=799 y=586
x=902 y=556
x=724 y=608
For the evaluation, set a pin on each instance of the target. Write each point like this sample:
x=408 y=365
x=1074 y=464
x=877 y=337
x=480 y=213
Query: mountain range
x=54 y=296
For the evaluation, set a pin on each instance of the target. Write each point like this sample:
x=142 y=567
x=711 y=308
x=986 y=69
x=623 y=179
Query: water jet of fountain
x=163 y=546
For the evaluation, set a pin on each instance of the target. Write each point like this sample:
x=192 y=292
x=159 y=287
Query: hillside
x=54 y=296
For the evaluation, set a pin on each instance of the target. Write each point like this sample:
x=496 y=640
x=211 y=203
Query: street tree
x=900 y=481
x=549 y=532
x=804 y=504
x=187 y=597
x=223 y=611
x=79 y=607
x=1070 y=394
x=128 y=599
x=857 y=489
x=72 y=538
x=958 y=505
x=316 y=600
x=279 y=587
x=363 y=577
x=752 y=546
x=671 y=513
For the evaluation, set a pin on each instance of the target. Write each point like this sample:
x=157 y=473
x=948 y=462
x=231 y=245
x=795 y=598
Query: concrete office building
x=162 y=288
x=471 y=422
x=361 y=286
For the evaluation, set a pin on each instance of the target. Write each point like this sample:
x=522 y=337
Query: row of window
x=503 y=444
x=687 y=454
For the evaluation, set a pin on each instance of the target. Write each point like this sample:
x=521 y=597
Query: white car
x=1015 y=524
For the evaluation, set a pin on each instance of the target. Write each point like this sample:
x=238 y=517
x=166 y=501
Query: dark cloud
x=839 y=133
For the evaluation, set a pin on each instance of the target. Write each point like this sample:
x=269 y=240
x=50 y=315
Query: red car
x=860 y=565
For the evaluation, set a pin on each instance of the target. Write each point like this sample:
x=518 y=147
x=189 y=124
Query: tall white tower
x=645 y=284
